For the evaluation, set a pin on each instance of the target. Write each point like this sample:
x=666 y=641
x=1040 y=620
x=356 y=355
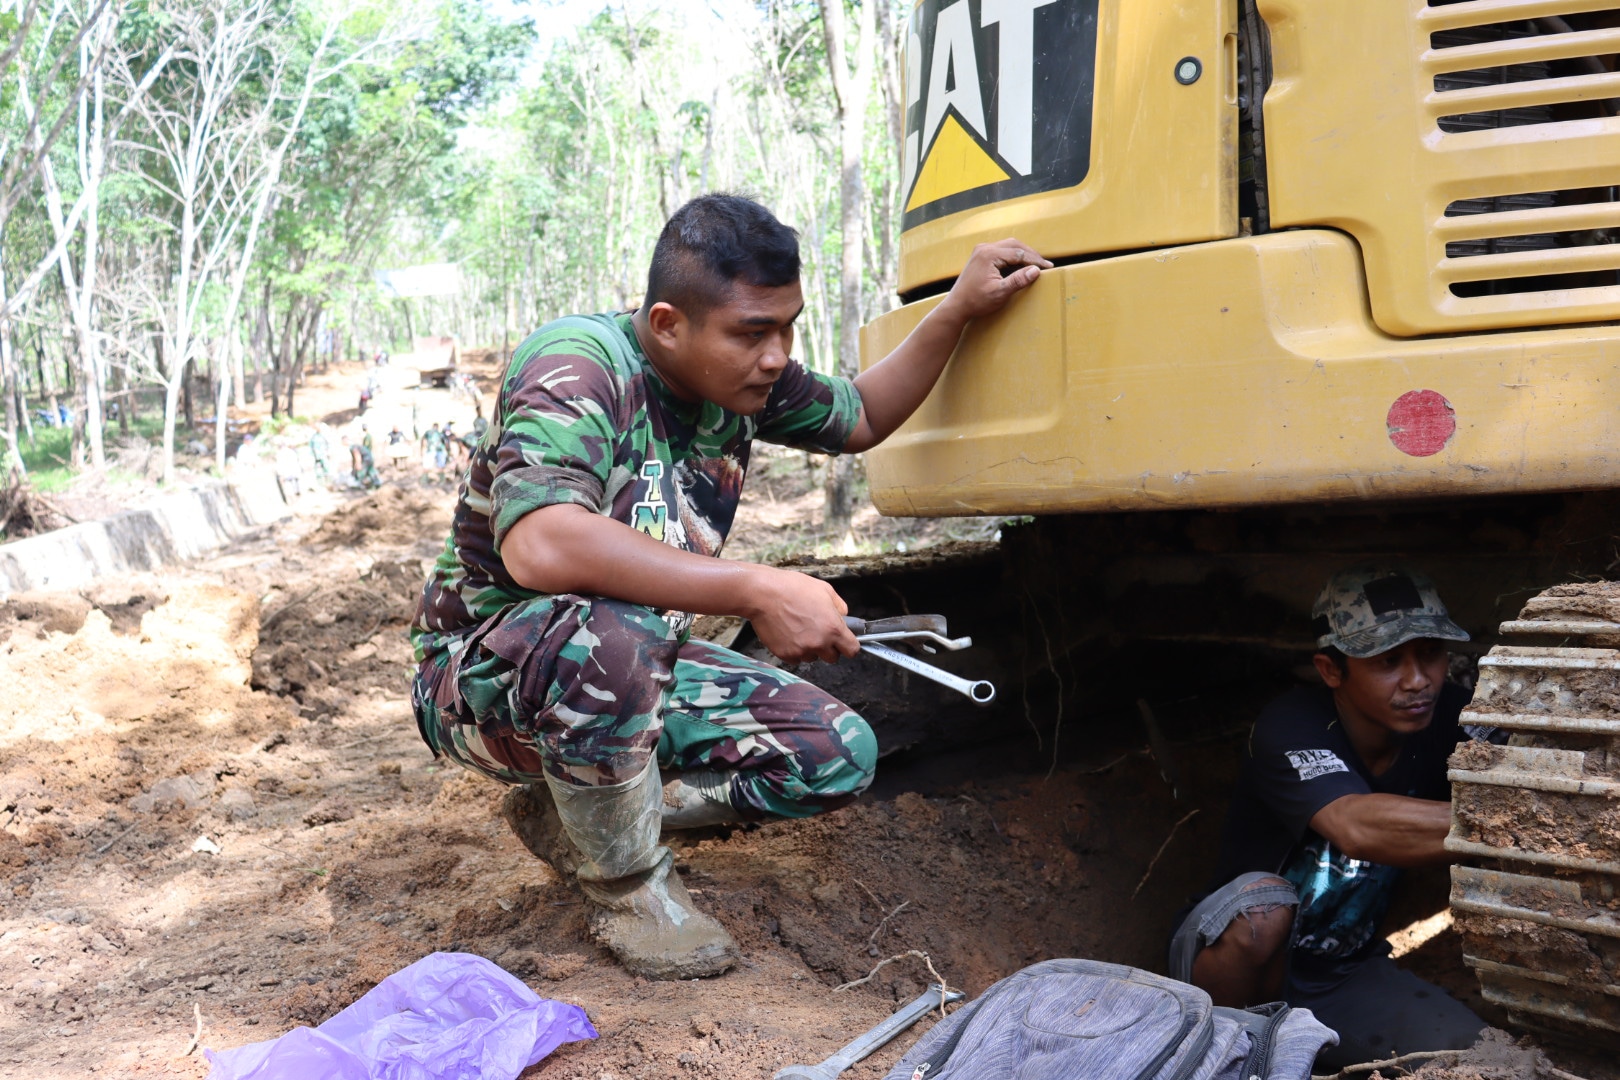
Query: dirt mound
x=847 y=890
x=1497 y=1056
x=390 y=516
x=341 y=637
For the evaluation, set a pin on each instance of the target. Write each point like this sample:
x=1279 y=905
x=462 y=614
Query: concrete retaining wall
x=176 y=527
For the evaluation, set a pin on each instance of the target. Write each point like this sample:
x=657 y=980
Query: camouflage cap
x=1367 y=610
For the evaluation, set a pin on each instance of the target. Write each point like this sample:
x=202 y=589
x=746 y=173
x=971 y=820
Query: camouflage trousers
x=588 y=690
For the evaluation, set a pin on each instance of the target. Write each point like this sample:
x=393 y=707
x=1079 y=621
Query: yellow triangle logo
x=955 y=163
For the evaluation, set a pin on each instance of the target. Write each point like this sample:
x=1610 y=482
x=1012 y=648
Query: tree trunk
x=850 y=88
x=127 y=399
x=76 y=441
x=171 y=406
x=260 y=348
x=8 y=372
x=238 y=374
x=185 y=397
x=891 y=55
x=222 y=400
x=47 y=381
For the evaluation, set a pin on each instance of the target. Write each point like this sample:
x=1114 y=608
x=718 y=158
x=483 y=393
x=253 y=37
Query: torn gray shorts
x=1215 y=912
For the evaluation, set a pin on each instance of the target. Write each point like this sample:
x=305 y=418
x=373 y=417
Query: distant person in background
x=287 y=473
x=320 y=448
x=435 y=454
x=365 y=467
x=398 y=448
x=452 y=441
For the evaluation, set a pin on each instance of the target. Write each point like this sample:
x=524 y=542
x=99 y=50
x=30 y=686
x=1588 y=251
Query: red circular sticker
x=1421 y=423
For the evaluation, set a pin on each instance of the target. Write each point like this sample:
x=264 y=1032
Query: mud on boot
x=531 y=814
x=650 y=924
x=639 y=907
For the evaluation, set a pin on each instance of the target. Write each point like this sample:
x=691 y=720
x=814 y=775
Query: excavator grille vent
x=1548 y=74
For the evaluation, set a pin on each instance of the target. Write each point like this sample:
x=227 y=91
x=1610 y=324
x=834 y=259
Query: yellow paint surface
x=956 y=163
x=1353 y=142
x=1235 y=373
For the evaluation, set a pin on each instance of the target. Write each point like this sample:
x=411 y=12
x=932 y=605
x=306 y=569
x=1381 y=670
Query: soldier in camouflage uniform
x=552 y=638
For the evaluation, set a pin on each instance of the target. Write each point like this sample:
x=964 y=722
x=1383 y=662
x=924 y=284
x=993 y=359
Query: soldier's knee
x=860 y=743
x=843 y=765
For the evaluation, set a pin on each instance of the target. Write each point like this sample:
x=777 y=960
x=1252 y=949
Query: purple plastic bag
x=449 y=1016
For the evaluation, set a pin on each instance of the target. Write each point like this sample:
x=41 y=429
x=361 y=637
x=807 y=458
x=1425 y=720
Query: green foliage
x=47 y=456
x=377 y=146
x=546 y=180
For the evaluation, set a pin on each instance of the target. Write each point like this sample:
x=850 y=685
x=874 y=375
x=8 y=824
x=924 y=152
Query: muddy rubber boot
x=696 y=799
x=531 y=814
x=640 y=908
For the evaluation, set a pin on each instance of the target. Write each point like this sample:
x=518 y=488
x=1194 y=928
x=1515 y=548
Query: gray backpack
x=1085 y=1020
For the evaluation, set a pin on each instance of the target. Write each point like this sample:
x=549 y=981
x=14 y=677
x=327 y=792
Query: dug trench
x=219 y=821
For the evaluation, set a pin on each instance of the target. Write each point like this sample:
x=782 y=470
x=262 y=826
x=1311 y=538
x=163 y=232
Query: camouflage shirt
x=583 y=418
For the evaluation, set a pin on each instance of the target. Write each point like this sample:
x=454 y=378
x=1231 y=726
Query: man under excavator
x=552 y=637
x=1344 y=785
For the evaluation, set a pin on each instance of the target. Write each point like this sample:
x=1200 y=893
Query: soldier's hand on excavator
x=799 y=617
x=892 y=388
x=993 y=274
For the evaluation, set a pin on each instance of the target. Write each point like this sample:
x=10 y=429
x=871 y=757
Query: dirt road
x=134 y=732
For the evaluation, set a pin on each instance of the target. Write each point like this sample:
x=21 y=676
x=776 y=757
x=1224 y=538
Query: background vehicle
x=1335 y=281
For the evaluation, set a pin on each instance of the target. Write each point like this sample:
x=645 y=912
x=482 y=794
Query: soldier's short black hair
x=713 y=242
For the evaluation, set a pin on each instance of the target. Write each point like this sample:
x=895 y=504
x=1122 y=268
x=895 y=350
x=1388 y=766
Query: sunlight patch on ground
x=1413 y=937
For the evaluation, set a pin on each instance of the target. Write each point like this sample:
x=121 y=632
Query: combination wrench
x=928 y=632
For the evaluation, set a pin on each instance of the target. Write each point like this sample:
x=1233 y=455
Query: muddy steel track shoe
x=640 y=908
x=696 y=799
x=1540 y=915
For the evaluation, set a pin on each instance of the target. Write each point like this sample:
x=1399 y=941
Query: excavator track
x=1538 y=819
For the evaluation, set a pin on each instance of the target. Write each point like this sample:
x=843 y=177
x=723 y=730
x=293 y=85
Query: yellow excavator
x=1334 y=280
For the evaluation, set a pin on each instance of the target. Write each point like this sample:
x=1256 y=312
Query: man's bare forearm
x=892 y=388
x=569 y=549
x=1393 y=830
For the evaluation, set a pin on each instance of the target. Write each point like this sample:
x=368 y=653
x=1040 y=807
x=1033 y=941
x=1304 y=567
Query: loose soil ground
x=260 y=702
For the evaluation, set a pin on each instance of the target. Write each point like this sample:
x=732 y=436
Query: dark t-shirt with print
x=1300 y=759
x=584 y=418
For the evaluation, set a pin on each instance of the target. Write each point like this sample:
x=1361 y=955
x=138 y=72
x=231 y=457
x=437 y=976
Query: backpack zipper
x=1259 y=1059
x=939 y=1057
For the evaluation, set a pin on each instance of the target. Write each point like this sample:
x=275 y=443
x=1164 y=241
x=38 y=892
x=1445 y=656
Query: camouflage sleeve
x=810 y=411
x=559 y=425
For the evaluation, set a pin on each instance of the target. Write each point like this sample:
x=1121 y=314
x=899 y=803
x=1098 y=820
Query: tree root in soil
x=908 y=954
x=1157 y=855
x=26 y=512
x=1400 y=1066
